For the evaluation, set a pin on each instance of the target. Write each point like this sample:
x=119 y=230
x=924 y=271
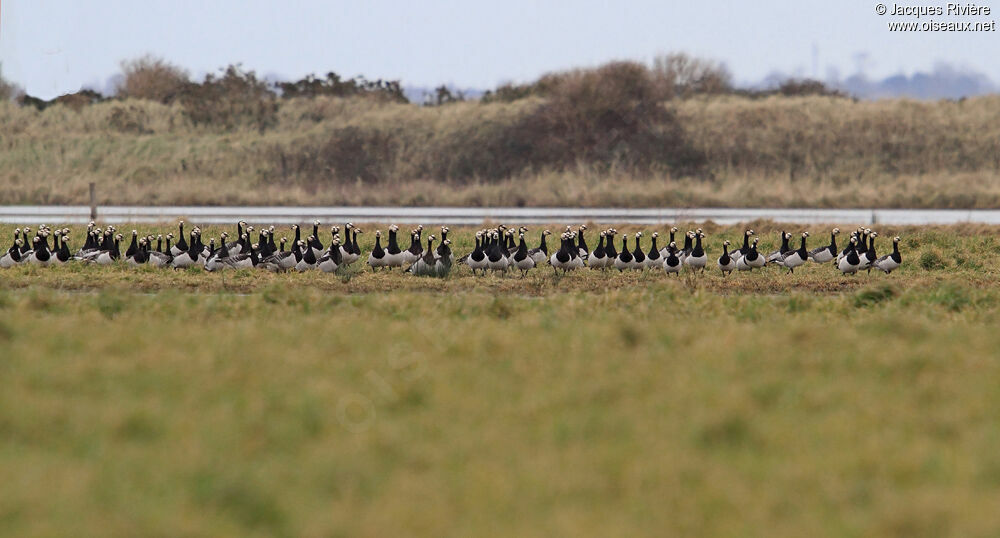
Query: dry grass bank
x=774 y=152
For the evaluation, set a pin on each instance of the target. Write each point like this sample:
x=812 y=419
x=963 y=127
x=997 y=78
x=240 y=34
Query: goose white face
x=725 y=243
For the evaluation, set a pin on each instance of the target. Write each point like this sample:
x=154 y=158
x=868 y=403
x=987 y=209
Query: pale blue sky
x=54 y=46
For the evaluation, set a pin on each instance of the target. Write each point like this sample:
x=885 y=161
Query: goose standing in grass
x=415 y=251
x=624 y=259
x=377 y=257
x=217 y=259
x=742 y=251
x=688 y=246
x=751 y=260
x=521 y=259
x=672 y=262
x=393 y=254
x=39 y=255
x=443 y=260
x=562 y=258
x=581 y=244
x=891 y=262
x=248 y=259
x=496 y=257
x=476 y=260
x=638 y=256
x=610 y=252
x=850 y=263
x=315 y=244
x=308 y=260
x=140 y=256
x=855 y=235
x=673 y=232
x=777 y=255
x=794 y=258
x=826 y=253
x=444 y=249
x=598 y=258
x=653 y=258
x=726 y=262
x=869 y=256
x=697 y=259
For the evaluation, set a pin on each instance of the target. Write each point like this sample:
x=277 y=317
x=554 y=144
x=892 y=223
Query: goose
x=638 y=256
x=393 y=254
x=508 y=244
x=280 y=260
x=444 y=249
x=442 y=265
x=777 y=255
x=133 y=246
x=522 y=260
x=890 y=262
x=377 y=257
x=624 y=259
x=653 y=257
x=314 y=243
x=13 y=255
x=610 y=252
x=726 y=262
x=355 y=248
x=218 y=259
x=181 y=246
x=60 y=247
x=347 y=249
x=869 y=256
x=88 y=241
x=412 y=254
x=563 y=258
x=827 y=253
x=582 y=243
x=39 y=255
x=854 y=235
x=248 y=259
x=424 y=266
x=540 y=253
x=697 y=259
x=496 y=257
x=850 y=262
x=29 y=243
x=111 y=255
x=794 y=258
x=671 y=262
x=751 y=260
x=737 y=254
x=263 y=249
x=477 y=259
x=161 y=258
x=189 y=257
x=663 y=251
x=308 y=260
x=237 y=246
x=688 y=246
x=140 y=256
x=598 y=259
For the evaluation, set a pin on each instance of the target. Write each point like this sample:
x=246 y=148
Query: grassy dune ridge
x=775 y=152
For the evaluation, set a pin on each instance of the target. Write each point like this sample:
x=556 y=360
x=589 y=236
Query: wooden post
x=93 y=203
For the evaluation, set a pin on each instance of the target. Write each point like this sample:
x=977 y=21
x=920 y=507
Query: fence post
x=93 y=202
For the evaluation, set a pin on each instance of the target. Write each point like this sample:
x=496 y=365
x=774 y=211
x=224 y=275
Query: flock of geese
x=498 y=250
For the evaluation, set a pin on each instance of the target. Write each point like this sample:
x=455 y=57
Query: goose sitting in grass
x=332 y=259
x=161 y=258
x=189 y=257
x=672 y=262
x=794 y=258
x=111 y=255
x=726 y=262
x=308 y=260
x=444 y=249
x=376 y=259
x=777 y=255
x=826 y=253
x=425 y=265
x=141 y=254
x=443 y=259
x=891 y=262
x=13 y=255
x=751 y=260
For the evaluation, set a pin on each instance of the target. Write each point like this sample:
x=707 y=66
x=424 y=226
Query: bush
x=333 y=85
x=8 y=90
x=150 y=78
x=129 y=119
x=236 y=99
x=680 y=75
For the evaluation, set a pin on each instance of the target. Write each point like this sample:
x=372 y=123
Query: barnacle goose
x=111 y=255
x=563 y=258
x=443 y=261
x=13 y=255
x=181 y=246
x=314 y=243
x=581 y=244
x=161 y=258
x=610 y=252
x=476 y=260
x=688 y=246
x=598 y=259
x=140 y=256
x=624 y=259
x=671 y=262
x=444 y=249
x=868 y=257
x=751 y=260
x=189 y=257
x=726 y=262
x=308 y=260
x=521 y=259
x=794 y=258
x=496 y=256
x=663 y=251
x=415 y=250
x=377 y=257
x=424 y=266
x=850 y=263
x=826 y=253
x=638 y=256
x=653 y=258
x=891 y=262
x=742 y=251
x=393 y=254
x=777 y=255
x=697 y=258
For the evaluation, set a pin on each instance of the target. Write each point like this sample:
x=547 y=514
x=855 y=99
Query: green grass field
x=161 y=403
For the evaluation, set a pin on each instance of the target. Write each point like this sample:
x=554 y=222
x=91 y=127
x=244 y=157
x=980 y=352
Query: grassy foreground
x=318 y=405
